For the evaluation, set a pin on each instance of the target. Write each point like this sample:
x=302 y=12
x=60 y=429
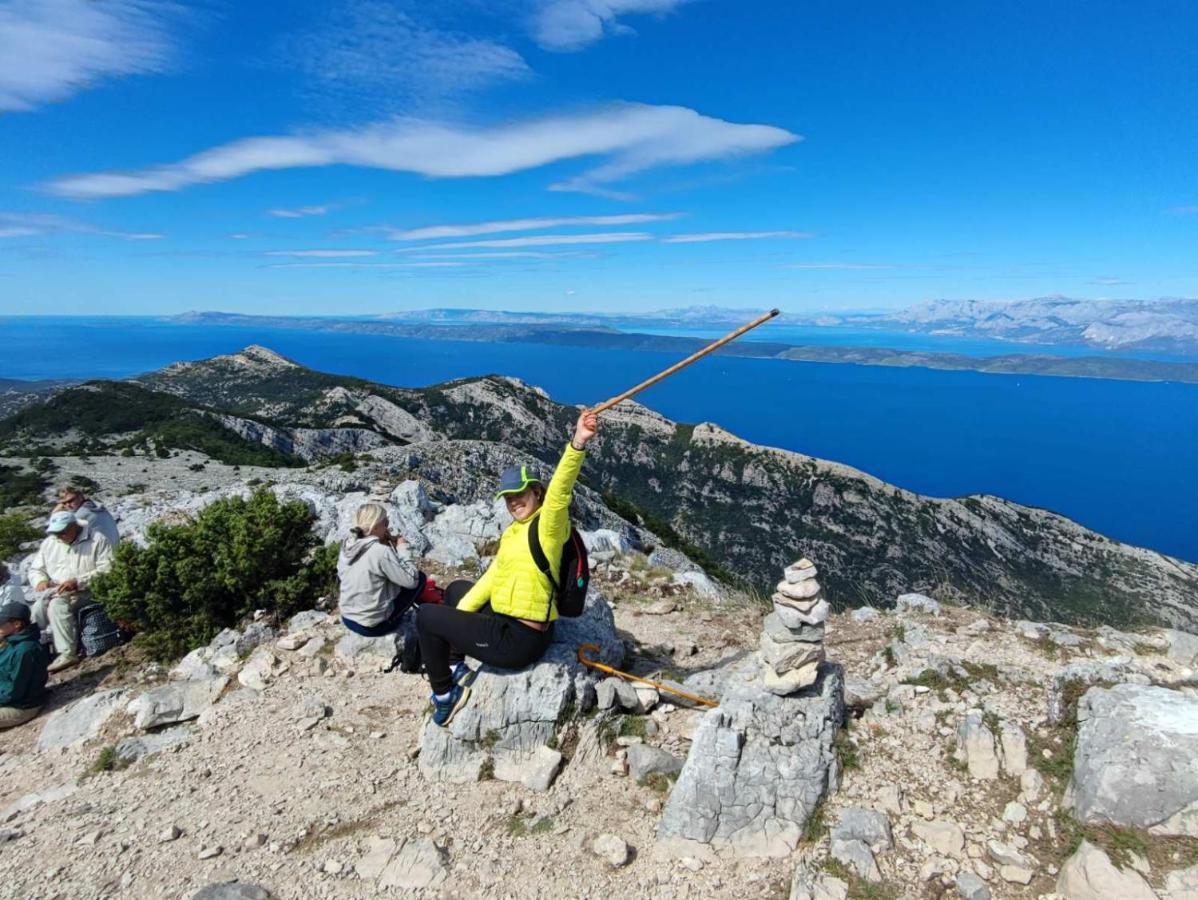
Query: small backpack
x=571 y=595
x=97 y=633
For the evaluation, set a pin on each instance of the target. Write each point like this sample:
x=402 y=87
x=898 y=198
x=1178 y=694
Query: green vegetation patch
x=234 y=557
x=20 y=488
x=15 y=530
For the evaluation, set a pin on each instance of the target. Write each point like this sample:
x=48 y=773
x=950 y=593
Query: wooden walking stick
x=699 y=354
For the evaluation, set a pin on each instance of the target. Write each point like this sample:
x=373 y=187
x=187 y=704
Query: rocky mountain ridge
x=747 y=509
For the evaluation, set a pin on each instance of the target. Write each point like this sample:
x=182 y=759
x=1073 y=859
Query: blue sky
x=361 y=156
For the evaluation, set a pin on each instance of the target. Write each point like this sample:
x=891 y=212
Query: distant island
x=602 y=331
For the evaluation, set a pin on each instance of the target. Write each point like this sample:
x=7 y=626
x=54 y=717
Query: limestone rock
x=1072 y=680
x=945 y=838
x=793 y=616
x=794 y=680
x=809 y=885
x=779 y=632
x=1183 y=646
x=1135 y=759
x=803 y=570
x=517 y=712
x=783 y=658
x=613 y=849
x=353 y=646
x=307 y=620
x=255 y=634
x=800 y=590
x=1089 y=875
x=80 y=721
x=644 y=760
x=864 y=614
x=419 y=864
x=535 y=770
x=1182 y=884
x=1014 y=748
x=172 y=703
x=917 y=603
x=868 y=825
x=259 y=670
x=758 y=766
x=970 y=887
x=131 y=749
x=857 y=856
x=975 y=742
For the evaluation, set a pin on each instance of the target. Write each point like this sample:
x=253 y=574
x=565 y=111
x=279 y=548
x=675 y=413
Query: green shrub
x=236 y=556
x=15 y=531
x=18 y=487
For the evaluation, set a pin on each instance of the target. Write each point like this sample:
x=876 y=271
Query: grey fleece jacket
x=372 y=574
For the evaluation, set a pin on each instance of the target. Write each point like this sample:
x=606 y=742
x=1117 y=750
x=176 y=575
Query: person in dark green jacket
x=23 y=662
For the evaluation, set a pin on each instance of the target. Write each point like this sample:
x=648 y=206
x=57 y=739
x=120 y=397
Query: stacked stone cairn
x=792 y=644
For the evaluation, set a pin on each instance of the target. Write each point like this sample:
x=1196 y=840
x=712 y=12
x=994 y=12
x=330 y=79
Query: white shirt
x=83 y=560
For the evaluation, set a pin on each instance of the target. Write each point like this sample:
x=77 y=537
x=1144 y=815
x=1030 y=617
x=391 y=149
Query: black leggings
x=497 y=640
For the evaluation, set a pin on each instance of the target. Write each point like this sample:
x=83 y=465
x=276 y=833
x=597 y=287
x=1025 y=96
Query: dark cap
x=14 y=610
x=516 y=479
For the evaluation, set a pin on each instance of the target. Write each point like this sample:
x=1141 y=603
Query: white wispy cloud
x=34 y=224
x=732 y=236
x=843 y=265
x=545 y=240
x=370 y=51
x=1184 y=210
x=412 y=265
x=498 y=227
x=1109 y=281
x=573 y=24
x=240 y=236
x=632 y=138
x=516 y=254
x=52 y=49
x=302 y=212
x=318 y=253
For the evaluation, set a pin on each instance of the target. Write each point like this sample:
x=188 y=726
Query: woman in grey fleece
x=379 y=582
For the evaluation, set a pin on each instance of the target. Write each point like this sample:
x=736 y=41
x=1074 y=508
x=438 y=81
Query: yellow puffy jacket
x=513 y=584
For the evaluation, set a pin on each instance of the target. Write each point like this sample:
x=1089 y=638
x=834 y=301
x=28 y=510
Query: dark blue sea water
x=1117 y=456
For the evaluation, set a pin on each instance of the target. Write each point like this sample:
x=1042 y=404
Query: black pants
x=492 y=638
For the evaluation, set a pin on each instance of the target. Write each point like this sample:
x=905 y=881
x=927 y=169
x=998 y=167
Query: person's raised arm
x=555 y=515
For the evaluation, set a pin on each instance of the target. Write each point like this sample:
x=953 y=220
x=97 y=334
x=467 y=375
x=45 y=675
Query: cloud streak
x=544 y=240
x=348 y=265
x=843 y=265
x=367 y=51
x=318 y=253
x=301 y=212
x=498 y=227
x=37 y=224
x=732 y=236
x=566 y=25
x=632 y=138
x=52 y=49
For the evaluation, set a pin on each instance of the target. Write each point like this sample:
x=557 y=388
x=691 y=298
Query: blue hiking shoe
x=463 y=674
x=444 y=710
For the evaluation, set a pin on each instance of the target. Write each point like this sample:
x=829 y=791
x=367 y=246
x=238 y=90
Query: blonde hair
x=367 y=516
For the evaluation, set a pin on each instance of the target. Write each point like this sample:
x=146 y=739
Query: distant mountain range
x=747 y=509
x=580 y=330
x=1167 y=325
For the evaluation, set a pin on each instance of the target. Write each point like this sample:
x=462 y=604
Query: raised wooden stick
x=698 y=354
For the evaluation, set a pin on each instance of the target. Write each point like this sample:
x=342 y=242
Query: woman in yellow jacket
x=506 y=618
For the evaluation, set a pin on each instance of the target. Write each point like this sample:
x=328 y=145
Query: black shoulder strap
x=538 y=557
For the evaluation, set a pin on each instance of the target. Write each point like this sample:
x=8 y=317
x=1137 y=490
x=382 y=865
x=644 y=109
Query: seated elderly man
x=10 y=591
x=62 y=570
x=22 y=666
x=89 y=512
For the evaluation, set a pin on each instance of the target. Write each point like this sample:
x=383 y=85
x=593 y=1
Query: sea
x=1120 y=457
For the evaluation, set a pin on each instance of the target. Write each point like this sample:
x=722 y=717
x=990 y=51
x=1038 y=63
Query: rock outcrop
x=762 y=760
x=513 y=716
x=1136 y=762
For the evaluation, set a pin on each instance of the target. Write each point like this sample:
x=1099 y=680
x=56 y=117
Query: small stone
x=333 y=867
x=923 y=809
x=211 y=852
x=1015 y=813
x=864 y=614
x=866 y=825
x=803 y=570
x=802 y=590
x=792 y=681
x=1031 y=785
x=796 y=614
x=971 y=887
x=254 y=841
x=660 y=607
x=917 y=603
x=171 y=833
x=292 y=641
x=858 y=857
x=1016 y=874
x=945 y=838
x=612 y=849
